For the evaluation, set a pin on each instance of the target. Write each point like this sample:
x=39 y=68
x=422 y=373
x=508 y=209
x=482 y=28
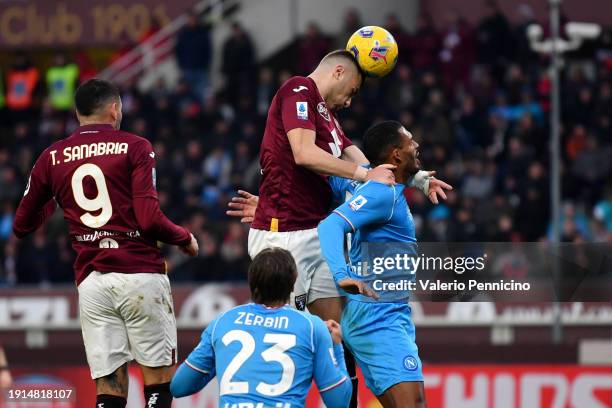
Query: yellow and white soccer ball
x=374 y=49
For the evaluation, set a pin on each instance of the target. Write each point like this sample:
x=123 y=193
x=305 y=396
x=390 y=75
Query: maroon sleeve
x=155 y=224
x=37 y=203
x=144 y=199
x=297 y=108
x=346 y=142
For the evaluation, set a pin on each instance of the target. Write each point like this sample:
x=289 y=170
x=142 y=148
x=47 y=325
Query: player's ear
x=115 y=110
x=339 y=72
x=396 y=155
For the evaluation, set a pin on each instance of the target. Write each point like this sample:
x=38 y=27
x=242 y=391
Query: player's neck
x=274 y=305
x=400 y=177
x=84 y=121
x=320 y=83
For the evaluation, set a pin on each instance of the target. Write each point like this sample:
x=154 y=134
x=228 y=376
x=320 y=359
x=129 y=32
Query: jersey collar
x=93 y=128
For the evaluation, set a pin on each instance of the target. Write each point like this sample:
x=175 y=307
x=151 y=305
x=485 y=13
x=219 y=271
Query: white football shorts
x=314 y=277
x=125 y=317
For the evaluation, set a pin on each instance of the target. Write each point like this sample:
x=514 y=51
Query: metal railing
x=159 y=46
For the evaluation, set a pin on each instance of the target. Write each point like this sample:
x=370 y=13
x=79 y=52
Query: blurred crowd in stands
x=475 y=96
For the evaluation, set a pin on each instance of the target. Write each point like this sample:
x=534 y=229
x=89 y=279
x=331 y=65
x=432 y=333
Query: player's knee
x=157 y=375
x=414 y=401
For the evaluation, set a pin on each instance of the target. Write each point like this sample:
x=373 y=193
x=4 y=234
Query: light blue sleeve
x=372 y=203
x=198 y=369
x=329 y=368
x=339 y=187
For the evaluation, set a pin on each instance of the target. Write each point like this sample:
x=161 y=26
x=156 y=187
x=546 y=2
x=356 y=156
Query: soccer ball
x=374 y=49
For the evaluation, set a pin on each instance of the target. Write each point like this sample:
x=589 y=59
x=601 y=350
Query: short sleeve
x=339 y=186
x=346 y=142
x=297 y=106
x=202 y=358
x=327 y=372
x=372 y=203
x=144 y=177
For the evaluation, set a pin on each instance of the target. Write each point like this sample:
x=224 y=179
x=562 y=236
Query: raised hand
x=243 y=206
x=357 y=287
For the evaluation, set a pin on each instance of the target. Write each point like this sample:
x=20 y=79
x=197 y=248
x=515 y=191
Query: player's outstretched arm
x=37 y=203
x=197 y=370
x=243 y=206
x=354 y=154
x=151 y=219
x=432 y=187
x=307 y=154
x=330 y=372
x=187 y=381
x=331 y=234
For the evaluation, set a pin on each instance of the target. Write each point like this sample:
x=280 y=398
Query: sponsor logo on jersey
x=366 y=32
x=379 y=53
x=323 y=111
x=333 y=357
x=108 y=243
x=357 y=203
x=152 y=154
x=411 y=363
x=300 y=302
x=300 y=88
x=302 y=110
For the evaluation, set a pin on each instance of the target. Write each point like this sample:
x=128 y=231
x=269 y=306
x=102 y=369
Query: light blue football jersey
x=267 y=357
x=379 y=217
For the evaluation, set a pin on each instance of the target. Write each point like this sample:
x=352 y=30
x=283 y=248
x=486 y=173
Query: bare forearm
x=355 y=155
x=316 y=159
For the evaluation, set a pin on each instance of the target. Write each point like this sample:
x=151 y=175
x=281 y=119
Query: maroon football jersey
x=291 y=197
x=104 y=179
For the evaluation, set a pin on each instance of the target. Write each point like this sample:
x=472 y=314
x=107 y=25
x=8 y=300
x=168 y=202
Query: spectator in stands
x=265 y=91
x=193 y=52
x=522 y=51
x=61 y=79
x=238 y=64
x=351 y=22
x=493 y=130
x=457 y=54
x=425 y=44
x=6 y=219
x=591 y=167
x=493 y=39
x=312 y=47
x=402 y=38
x=21 y=86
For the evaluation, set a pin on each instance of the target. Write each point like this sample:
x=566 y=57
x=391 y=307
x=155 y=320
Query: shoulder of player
x=377 y=191
x=297 y=84
x=46 y=154
x=228 y=316
x=132 y=138
x=309 y=320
